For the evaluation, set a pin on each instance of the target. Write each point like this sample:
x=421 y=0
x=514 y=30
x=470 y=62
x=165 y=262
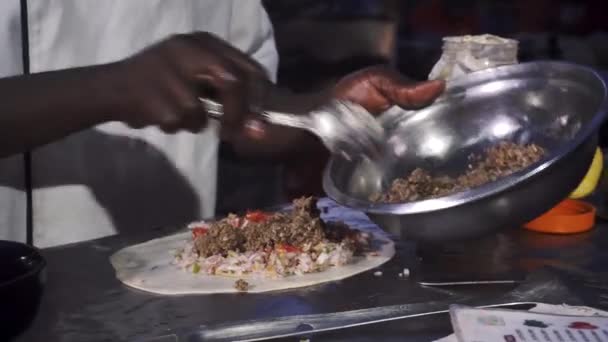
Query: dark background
x=321 y=41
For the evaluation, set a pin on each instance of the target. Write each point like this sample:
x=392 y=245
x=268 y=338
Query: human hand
x=378 y=88
x=162 y=84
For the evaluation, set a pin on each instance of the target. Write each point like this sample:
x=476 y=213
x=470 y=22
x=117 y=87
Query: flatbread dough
x=148 y=267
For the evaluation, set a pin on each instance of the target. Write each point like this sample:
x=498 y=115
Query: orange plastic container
x=568 y=217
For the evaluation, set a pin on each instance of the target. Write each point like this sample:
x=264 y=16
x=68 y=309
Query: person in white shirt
x=109 y=109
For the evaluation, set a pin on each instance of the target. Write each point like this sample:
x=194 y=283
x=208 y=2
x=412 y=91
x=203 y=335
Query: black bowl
x=22 y=277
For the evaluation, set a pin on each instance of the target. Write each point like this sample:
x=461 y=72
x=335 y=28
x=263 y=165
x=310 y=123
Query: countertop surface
x=83 y=301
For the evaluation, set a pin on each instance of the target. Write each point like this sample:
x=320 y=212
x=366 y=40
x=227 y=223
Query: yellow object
x=586 y=187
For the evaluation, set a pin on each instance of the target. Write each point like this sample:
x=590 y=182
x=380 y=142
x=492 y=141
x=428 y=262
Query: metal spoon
x=344 y=127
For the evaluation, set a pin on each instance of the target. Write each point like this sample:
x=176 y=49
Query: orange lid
x=568 y=217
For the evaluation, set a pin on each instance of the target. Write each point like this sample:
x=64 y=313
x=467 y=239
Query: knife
x=539 y=287
x=306 y=325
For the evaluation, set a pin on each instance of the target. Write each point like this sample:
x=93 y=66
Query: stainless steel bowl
x=559 y=106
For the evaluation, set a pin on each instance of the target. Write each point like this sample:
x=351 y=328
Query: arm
x=159 y=86
x=40 y=108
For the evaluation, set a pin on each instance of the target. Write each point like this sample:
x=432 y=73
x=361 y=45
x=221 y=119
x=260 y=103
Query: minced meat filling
x=299 y=228
x=295 y=229
x=306 y=206
x=501 y=160
x=220 y=238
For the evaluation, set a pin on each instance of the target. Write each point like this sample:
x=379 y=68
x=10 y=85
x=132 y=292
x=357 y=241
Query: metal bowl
x=559 y=106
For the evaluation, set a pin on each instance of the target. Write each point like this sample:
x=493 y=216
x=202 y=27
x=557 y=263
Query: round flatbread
x=148 y=266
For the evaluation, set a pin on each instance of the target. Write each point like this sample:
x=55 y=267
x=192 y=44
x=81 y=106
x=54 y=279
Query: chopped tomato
x=288 y=248
x=257 y=216
x=199 y=231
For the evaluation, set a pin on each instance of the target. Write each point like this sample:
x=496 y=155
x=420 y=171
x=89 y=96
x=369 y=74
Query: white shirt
x=112 y=178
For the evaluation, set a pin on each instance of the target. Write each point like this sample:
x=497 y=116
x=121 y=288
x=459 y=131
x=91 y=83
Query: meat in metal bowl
x=558 y=106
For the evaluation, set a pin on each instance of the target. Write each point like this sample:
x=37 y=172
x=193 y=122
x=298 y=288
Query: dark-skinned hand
x=161 y=85
x=378 y=88
x=375 y=88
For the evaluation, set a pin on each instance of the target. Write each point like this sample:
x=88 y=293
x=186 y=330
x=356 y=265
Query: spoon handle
x=215 y=110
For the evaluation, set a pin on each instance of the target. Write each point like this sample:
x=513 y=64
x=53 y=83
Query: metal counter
x=83 y=301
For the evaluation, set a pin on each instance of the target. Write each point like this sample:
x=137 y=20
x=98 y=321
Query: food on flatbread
x=271 y=245
x=500 y=160
x=151 y=266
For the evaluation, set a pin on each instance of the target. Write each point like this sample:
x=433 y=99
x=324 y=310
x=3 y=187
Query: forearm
x=40 y=108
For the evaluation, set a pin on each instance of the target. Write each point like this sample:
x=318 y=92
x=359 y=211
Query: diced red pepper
x=199 y=231
x=582 y=325
x=256 y=216
x=288 y=248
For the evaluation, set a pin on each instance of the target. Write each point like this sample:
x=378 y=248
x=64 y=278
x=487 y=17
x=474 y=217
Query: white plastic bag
x=465 y=54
